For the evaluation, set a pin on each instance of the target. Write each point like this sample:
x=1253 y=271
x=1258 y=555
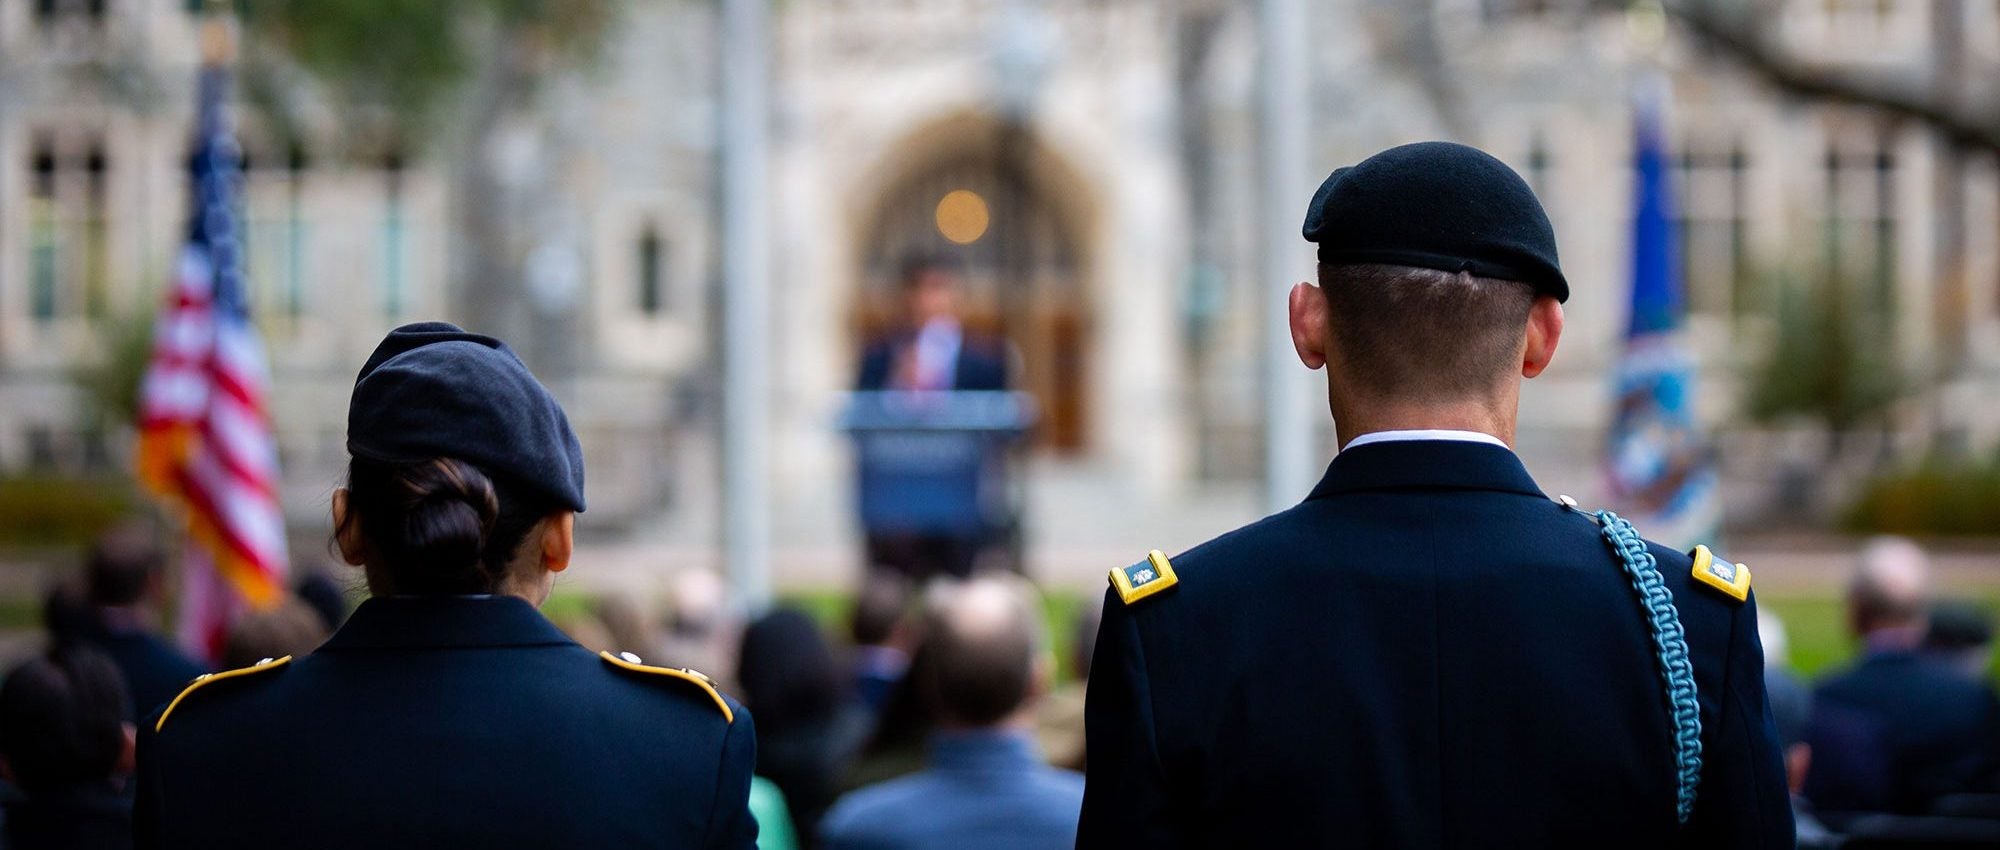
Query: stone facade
x=1134 y=126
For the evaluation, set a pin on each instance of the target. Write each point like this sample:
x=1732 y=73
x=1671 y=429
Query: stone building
x=1113 y=142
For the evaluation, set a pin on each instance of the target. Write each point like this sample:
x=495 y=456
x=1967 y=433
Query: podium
x=939 y=466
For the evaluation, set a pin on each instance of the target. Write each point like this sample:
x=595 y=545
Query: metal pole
x=1284 y=184
x=746 y=321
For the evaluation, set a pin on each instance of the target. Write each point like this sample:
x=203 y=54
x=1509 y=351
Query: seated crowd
x=938 y=721
x=1901 y=746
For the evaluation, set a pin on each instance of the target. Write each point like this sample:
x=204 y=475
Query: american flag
x=205 y=442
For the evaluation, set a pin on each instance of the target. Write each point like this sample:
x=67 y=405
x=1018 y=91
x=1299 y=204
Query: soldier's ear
x=128 y=750
x=346 y=535
x=558 y=541
x=1307 y=308
x=1545 y=330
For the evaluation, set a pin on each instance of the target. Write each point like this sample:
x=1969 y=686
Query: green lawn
x=1817 y=631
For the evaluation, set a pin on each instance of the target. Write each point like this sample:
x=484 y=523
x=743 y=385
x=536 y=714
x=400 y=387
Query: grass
x=1816 y=630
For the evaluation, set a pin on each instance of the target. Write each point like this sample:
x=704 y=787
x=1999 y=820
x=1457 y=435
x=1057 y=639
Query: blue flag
x=1658 y=468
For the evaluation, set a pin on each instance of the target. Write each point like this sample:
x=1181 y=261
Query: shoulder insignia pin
x=628 y=661
x=1145 y=578
x=211 y=678
x=1733 y=580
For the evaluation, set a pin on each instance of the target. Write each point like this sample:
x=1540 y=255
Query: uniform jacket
x=447 y=722
x=1428 y=652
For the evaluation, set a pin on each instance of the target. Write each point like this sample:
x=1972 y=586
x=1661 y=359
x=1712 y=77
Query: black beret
x=1437 y=205
x=433 y=390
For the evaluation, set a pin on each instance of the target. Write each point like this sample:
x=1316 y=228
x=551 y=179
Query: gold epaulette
x=628 y=661
x=1145 y=578
x=210 y=678
x=1733 y=580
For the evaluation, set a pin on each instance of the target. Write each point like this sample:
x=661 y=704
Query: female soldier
x=447 y=711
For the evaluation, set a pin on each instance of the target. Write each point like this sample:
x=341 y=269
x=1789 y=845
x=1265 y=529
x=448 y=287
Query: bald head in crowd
x=1888 y=600
x=986 y=640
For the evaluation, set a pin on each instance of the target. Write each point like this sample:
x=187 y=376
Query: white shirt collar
x=1427 y=434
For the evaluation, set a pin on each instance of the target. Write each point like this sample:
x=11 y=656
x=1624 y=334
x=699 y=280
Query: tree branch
x=1746 y=36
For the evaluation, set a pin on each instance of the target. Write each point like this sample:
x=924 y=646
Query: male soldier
x=1429 y=651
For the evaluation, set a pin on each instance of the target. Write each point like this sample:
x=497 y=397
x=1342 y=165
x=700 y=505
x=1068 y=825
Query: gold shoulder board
x=1733 y=580
x=210 y=678
x=628 y=661
x=1145 y=578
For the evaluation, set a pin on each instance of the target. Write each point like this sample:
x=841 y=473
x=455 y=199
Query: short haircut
x=878 y=607
x=122 y=565
x=1422 y=334
x=290 y=628
x=913 y=269
x=985 y=638
x=1891 y=585
x=62 y=719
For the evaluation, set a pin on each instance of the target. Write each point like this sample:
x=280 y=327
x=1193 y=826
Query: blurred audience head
x=1772 y=631
x=879 y=609
x=698 y=603
x=66 y=612
x=291 y=627
x=125 y=567
x=625 y=622
x=787 y=672
x=930 y=288
x=1083 y=641
x=988 y=656
x=1889 y=596
x=62 y=721
x=1961 y=634
x=325 y=595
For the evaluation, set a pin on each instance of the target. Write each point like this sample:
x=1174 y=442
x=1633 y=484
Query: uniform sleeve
x=1743 y=801
x=146 y=802
x=1125 y=792
x=731 y=826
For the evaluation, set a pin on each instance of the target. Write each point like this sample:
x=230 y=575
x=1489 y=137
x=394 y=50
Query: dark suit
x=447 y=722
x=1937 y=731
x=154 y=670
x=1427 y=653
x=981 y=364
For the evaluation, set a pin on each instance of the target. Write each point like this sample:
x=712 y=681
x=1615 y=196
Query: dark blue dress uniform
x=1428 y=652
x=448 y=722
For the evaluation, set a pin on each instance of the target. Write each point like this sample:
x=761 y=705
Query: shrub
x=52 y=511
x=1936 y=497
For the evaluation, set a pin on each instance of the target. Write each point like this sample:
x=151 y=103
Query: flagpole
x=746 y=321
x=1289 y=467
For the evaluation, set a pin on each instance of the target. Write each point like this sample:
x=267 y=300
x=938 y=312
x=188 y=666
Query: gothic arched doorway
x=993 y=205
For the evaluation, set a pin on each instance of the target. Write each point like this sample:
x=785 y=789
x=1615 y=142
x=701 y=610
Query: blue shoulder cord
x=1670 y=641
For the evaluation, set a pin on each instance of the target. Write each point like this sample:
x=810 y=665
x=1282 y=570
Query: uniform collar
x=445 y=622
x=1426 y=434
x=1426 y=465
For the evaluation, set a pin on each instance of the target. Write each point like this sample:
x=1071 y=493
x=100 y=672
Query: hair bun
x=449 y=511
